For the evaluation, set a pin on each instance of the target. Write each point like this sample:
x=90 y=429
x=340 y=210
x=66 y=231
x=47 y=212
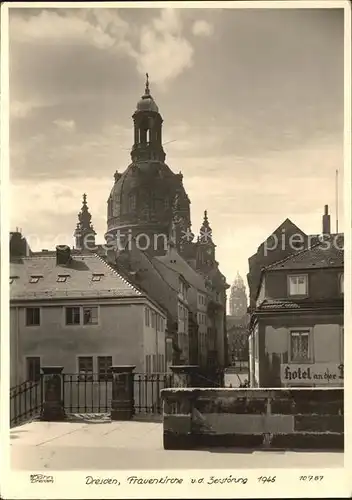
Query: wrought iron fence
x=87 y=393
x=147 y=387
x=84 y=393
x=26 y=401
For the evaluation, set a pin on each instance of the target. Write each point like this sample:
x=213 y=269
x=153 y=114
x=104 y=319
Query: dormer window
x=97 y=277
x=62 y=278
x=12 y=279
x=34 y=279
x=298 y=285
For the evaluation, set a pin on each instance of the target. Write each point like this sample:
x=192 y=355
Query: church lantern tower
x=84 y=233
x=142 y=197
x=147 y=129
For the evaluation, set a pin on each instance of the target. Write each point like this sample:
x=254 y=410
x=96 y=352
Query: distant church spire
x=84 y=233
x=238 y=298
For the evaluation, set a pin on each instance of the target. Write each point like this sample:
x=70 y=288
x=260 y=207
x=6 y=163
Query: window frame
x=97 y=277
x=132 y=202
x=97 y=317
x=62 y=278
x=27 y=358
x=310 y=358
x=88 y=376
x=107 y=376
x=65 y=316
x=26 y=319
x=297 y=275
x=34 y=279
x=81 y=323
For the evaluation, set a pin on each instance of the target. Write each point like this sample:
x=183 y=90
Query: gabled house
x=197 y=300
x=72 y=309
x=287 y=239
x=296 y=330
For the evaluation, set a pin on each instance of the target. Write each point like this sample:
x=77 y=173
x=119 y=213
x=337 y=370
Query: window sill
x=81 y=325
x=301 y=362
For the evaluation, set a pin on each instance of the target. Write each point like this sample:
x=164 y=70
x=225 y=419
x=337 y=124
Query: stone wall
x=253 y=418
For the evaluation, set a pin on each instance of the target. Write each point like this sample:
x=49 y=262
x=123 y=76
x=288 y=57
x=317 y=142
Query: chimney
x=326 y=220
x=63 y=255
x=18 y=245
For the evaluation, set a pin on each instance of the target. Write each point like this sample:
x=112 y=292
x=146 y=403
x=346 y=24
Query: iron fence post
x=53 y=406
x=122 y=403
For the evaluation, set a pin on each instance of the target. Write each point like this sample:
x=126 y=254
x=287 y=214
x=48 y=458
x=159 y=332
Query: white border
x=337 y=482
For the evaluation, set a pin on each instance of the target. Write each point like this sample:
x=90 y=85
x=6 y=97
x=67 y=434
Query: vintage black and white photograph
x=176 y=239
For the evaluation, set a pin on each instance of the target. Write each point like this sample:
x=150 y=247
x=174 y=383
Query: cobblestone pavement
x=102 y=445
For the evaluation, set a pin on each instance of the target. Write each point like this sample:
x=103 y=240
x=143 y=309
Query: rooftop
x=40 y=277
x=303 y=304
x=327 y=253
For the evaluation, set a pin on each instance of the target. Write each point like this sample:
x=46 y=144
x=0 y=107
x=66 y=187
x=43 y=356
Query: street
x=137 y=445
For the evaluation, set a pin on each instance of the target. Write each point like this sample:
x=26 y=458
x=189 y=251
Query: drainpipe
x=156 y=338
x=17 y=344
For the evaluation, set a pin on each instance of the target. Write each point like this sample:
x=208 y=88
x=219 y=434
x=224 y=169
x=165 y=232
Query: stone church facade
x=149 y=238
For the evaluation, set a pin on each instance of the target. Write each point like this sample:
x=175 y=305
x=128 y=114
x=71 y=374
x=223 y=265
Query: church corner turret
x=84 y=233
x=205 y=246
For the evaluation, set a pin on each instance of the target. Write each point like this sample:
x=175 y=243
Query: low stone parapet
x=253 y=418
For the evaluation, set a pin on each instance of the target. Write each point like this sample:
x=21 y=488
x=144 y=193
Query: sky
x=252 y=100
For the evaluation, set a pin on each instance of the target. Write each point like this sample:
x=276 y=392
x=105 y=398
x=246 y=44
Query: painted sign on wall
x=314 y=374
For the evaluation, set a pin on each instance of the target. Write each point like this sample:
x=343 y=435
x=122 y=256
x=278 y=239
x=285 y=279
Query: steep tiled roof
x=149 y=279
x=283 y=304
x=174 y=261
x=79 y=281
x=324 y=254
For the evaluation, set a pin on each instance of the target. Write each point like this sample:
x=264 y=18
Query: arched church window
x=132 y=202
x=153 y=201
x=109 y=207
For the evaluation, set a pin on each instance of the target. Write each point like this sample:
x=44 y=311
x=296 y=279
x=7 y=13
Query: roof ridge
x=292 y=255
x=119 y=275
x=157 y=270
x=195 y=273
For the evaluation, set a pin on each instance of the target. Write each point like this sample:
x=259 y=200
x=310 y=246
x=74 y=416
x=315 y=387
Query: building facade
x=150 y=247
x=297 y=332
x=73 y=310
x=149 y=206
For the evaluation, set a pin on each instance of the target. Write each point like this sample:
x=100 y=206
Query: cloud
x=20 y=109
x=50 y=27
x=58 y=203
x=67 y=125
x=163 y=51
x=158 y=46
x=202 y=28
